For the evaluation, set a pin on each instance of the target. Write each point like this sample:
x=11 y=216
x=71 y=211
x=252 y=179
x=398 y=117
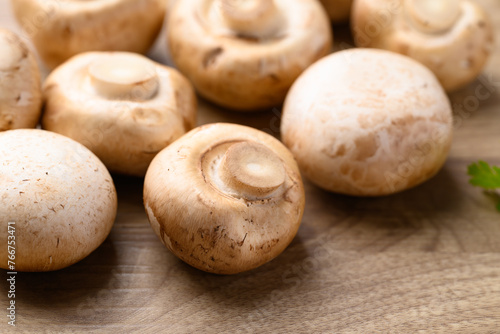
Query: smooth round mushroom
x=124 y=107
x=453 y=38
x=58 y=198
x=225 y=198
x=62 y=29
x=244 y=55
x=367 y=122
x=338 y=10
x=20 y=84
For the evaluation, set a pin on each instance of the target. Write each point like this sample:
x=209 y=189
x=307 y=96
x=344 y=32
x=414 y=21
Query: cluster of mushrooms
x=224 y=198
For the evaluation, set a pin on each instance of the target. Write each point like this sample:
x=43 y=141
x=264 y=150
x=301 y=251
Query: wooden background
x=426 y=260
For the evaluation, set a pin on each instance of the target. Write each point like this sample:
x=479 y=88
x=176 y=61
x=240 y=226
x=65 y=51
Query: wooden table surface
x=426 y=260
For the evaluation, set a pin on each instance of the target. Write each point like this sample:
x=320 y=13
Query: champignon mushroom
x=225 y=198
x=453 y=38
x=58 y=198
x=245 y=55
x=338 y=10
x=62 y=29
x=20 y=85
x=367 y=122
x=124 y=107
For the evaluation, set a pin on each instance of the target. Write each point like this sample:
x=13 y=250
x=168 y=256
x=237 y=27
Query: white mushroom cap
x=62 y=29
x=338 y=10
x=245 y=55
x=453 y=38
x=367 y=122
x=20 y=85
x=124 y=107
x=59 y=195
x=225 y=198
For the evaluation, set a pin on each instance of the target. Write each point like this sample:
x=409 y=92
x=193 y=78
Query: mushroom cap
x=20 y=85
x=59 y=195
x=220 y=216
x=239 y=70
x=338 y=10
x=456 y=55
x=62 y=29
x=124 y=132
x=367 y=122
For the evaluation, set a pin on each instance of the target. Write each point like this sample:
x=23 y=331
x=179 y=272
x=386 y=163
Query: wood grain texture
x=423 y=261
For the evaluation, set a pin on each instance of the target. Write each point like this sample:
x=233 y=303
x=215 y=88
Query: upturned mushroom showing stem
x=453 y=38
x=123 y=106
x=238 y=204
x=245 y=54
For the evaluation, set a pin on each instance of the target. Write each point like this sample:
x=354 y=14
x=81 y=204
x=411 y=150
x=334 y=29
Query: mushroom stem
x=124 y=76
x=252 y=169
x=252 y=18
x=433 y=16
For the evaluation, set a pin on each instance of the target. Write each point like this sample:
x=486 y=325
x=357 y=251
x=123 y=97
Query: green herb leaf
x=485 y=176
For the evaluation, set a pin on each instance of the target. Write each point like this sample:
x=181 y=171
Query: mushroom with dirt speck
x=62 y=29
x=57 y=195
x=367 y=122
x=453 y=38
x=20 y=85
x=124 y=107
x=225 y=198
x=244 y=55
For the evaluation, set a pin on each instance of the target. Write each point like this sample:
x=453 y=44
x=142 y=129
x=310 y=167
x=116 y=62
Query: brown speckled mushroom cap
x=62 y=29
x=338 y=10
x=59 y=195
x=225 y=198
x=124 y=107
x=367 y=122
x=453 y=38
x=20 y=85
x=245 y=55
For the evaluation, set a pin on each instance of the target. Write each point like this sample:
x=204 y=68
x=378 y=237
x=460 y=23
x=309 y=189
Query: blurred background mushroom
x=20 y=84
x=62 y=29
x=453 y=38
